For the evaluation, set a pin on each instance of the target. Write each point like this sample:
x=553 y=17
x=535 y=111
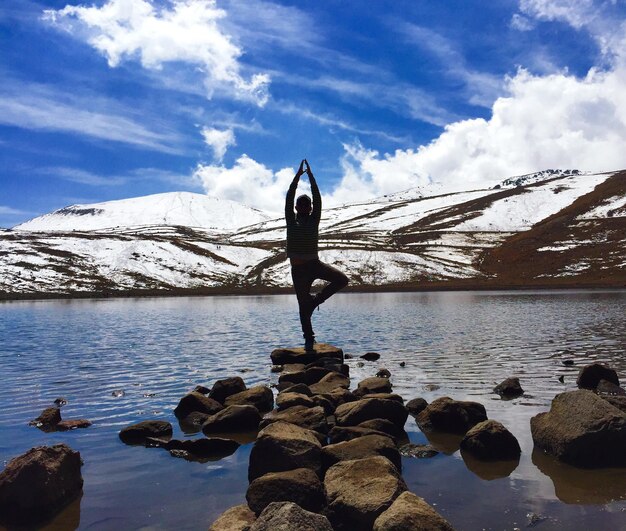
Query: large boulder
x=311 y=418
x=372 y=385
x=238 y=518
x=590 y=375
x=359 y=491
x=491 y=441
x=452 y=416
x=260 y=396
x=138 y=433
x=330 y=383
x=282 y=356
x=233 y=419
x=301 y=486
x=416 y=406
x=354 y=413
x=282 y=446
x=582 y=429
x=411 y=513
x=286 y=400
x=38 y=484
x=288 y=516
x=358 y=448
x=226 y=387
x=509 y=388
x=196 y=402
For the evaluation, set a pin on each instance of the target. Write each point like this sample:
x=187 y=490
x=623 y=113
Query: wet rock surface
x=138 y=433
x=287 y=516
x=411 y=513
x=39 y=483
x=453 y=416
x=301 y=486
x=582 y=429
x=490 y=440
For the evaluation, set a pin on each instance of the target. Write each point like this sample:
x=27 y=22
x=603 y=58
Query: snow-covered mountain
x=555 y=228
x=174 y=208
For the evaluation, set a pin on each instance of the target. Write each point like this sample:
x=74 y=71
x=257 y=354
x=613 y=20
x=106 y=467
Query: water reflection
x=489 y=470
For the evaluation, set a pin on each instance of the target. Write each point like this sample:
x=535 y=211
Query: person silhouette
x=302 y=251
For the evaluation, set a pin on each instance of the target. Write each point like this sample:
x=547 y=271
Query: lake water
x=457 y=344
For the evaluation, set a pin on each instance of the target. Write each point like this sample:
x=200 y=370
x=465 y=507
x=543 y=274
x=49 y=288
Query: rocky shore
x=327 y=454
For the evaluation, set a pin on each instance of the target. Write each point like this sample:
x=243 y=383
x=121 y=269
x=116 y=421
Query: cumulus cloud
x=577 y=13
x=248 y=182
x=187 y=32
x=219 y=141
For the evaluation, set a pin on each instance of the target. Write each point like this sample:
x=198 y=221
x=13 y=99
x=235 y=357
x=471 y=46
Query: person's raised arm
x=291 y=194
x=315 y=191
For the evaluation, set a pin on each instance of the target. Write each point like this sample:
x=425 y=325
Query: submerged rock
x=48 y=419
x=490 y=440
x=213 y=448
x=238 y=518
x=196 y=402
x=38 y=484
x=452 y=416
x=411 y=513
x=73 y=424
x=590 y=375
x=282 y=356
x=583 y=430
x=419 y=451
x=301 y=486
x=383 y=373
x=226 y=387
x=509 y=388
x=288 y=516
x=282 y=446
x=138 y=433
x=359 y=491
x=233 y=419
x=261 y=397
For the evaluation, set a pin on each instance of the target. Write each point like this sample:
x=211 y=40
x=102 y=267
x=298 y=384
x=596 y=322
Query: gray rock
x=372 y=385
x=509 y=388
x=411 y=513
x=311 y=418
x=39 y=483
x=365 y=446
x=138 y=433
x=238 y=518
x=489 y=440
x=590 y=375
x=416 y=406
x=282 y=446
x=282 y=356
x=359 y=491
x=261 y=397
x=287 y=516
x=286 y=400
x=582 y=429
x=301 y=486
x=195 y=401
x=354 y=413
x=452 y=416
x=226 y=387
x=233 y=419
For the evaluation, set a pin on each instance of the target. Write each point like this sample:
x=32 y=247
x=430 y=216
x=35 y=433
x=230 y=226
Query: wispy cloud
x=80 y=176
x=42 y=108
x=189 y=32
x=10 y=211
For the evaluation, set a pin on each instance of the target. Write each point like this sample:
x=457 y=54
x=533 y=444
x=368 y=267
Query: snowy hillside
x=175 y=208
x=554 y=228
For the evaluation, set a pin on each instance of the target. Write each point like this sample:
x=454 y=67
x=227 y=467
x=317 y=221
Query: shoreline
x=457 y=285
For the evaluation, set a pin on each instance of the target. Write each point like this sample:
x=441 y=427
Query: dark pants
x=303 y=277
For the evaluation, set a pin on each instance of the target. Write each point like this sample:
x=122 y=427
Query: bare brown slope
x=596 y=256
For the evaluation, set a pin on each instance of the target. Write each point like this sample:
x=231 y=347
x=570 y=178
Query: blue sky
x=122 y=98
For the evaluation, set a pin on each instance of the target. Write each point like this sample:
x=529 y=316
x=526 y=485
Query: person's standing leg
x=302 y=281
x=337 y=280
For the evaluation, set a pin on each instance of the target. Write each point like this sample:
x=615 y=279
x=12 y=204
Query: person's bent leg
x=337 y=280
x=302 y=281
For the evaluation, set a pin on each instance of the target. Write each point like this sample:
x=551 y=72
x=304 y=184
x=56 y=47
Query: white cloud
x=189 y=32
x=248 y=182
x=44 y=109
x=577 y=13
x=10 y=211
x=219 y=141
x=522 y=23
